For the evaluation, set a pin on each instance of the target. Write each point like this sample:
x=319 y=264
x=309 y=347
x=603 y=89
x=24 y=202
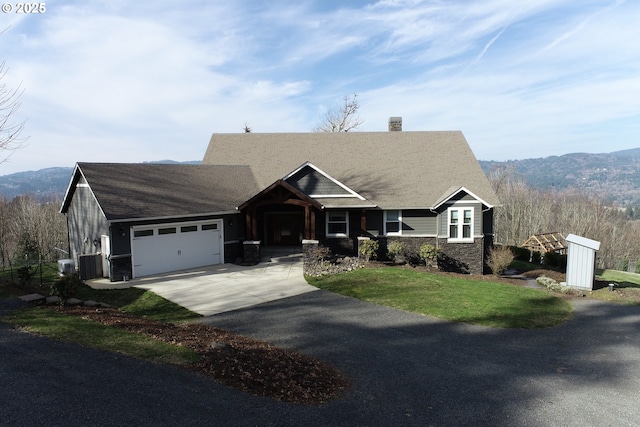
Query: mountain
x=45 y=183
x=612 y=176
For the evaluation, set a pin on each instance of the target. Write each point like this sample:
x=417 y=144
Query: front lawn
x=451 y=297
x=626 y=289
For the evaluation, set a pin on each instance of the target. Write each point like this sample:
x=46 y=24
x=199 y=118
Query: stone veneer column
x=361 y=240
x=309 y=254
x=251 y=251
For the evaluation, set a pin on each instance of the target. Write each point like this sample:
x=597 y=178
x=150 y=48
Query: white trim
x=161 y=218
x=338 y=207
x=583 y=241
x=448 y=198
x=326 y=175
x=332 y=196
x=460 y=225
x=384 y=223
x=326 y=223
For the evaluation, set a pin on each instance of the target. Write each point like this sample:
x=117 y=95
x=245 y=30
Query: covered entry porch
x=281 y=215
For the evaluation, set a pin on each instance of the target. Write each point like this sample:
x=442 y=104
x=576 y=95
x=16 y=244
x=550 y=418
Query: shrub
x=428 y=254
x=66 y=287
x=25 y=275
x=395 y=250
x=369 y=249
x=521 y=254
x=555 y=260
x=499 y=258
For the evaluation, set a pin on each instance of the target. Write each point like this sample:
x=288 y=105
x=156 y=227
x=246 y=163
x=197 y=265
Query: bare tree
x=10 y=139
x=341 y=119
x=525 y=211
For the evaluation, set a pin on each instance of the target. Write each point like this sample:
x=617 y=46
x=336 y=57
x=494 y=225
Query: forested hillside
x=614 y=177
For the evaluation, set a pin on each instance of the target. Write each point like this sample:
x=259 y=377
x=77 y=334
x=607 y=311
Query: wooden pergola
x=546 y=242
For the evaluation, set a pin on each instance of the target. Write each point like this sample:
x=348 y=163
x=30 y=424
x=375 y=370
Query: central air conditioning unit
x=66 y=266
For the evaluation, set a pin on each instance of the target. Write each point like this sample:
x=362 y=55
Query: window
x=392 y=222
x=461 y=224
x=168 y=230
x=337 y=224
x=188 y=228
x=142 y=233
x=206 y=227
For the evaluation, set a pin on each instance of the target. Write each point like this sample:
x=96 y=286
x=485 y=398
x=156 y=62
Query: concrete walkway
x=224 y=287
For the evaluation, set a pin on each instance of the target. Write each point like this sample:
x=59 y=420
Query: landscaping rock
x=53 y=299
x=32 y=298
x=73 y=301
x=90 y=303
x=321 y=267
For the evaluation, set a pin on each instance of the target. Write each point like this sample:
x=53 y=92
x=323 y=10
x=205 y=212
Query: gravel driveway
x=405 y=369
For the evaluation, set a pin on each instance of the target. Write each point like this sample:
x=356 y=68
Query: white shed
x=581 y=261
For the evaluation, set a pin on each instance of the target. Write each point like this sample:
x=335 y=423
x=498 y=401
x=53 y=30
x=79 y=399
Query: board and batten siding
x=310 y=181
x=86 y=223
x=477 y=216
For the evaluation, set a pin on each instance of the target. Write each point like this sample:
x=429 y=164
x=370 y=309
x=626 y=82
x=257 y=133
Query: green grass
x=451 y=297
x=55 y=325
x=48 y=276
x=622 y=278
x=139 y=302
x=627 y=289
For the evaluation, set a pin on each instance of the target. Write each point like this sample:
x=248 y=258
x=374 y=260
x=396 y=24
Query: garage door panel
x=190 y=246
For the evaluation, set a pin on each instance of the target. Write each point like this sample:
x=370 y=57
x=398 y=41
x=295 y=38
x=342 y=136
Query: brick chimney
x=395 y=124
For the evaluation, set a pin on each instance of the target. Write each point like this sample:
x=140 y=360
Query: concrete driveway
x=225 y=287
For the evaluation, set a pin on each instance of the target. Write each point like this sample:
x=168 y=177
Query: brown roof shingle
x=389 y=169
x=133 y=191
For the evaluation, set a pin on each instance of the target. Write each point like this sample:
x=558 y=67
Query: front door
x=285 y=228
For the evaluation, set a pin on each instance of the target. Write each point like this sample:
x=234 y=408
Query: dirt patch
x=246 y=364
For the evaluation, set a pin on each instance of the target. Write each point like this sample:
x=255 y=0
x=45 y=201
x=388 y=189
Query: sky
x=124 y=81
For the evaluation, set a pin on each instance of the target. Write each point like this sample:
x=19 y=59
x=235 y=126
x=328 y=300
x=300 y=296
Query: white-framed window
x=337 y=224
x=393 y=223
x=461 y=224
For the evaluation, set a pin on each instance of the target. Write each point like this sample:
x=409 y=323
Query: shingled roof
x=134 y=191
x=390 y=170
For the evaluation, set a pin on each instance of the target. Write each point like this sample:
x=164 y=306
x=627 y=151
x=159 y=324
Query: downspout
x=437 y=227
x=66 y=216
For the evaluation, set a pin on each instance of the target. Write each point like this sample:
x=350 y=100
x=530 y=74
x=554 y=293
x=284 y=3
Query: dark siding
x=419 y=223
x=86 y=223
x=374 y=223
x=310 y=181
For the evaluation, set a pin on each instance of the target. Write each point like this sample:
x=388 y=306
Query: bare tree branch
x=341 y=119
x=10 y=139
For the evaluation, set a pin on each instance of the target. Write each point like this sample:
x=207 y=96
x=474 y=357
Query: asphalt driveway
x=405 y=369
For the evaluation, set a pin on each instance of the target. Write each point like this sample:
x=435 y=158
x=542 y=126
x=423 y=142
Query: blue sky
x=123 y=81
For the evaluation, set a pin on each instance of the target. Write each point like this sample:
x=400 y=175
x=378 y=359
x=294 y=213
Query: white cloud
x=134 y=81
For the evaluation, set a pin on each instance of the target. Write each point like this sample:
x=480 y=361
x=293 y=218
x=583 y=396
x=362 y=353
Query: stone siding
x=462 y=257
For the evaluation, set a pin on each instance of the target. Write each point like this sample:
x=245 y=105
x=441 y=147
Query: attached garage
x=162 y=248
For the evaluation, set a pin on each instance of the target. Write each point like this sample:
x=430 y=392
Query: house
x=280 y=189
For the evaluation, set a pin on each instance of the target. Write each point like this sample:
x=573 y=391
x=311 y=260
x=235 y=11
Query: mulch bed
x=246 y=364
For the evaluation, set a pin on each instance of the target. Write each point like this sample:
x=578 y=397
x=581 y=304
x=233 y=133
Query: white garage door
x=169 y=247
